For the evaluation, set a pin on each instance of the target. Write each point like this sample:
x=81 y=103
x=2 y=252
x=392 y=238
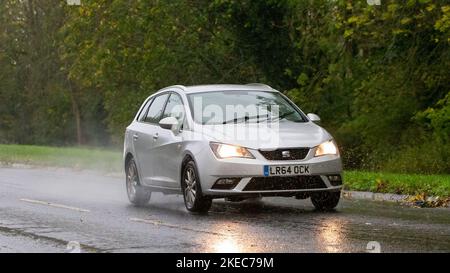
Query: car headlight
x=227 y=151
x=326 y=148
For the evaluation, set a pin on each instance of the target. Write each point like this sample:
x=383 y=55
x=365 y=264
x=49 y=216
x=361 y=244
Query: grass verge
x=111 y=161
x=78 y=158
x=412 y=184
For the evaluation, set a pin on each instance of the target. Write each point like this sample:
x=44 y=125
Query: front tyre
x=137 y=194
x=327 y=200
x=194 y=200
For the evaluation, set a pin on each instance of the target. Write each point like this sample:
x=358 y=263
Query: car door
x=167 y=146
x=144 y=138
x=133 y=130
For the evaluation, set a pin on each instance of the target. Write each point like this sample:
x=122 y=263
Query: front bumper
x=249 y=172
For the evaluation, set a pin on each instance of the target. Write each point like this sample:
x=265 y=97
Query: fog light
x=226 y=183
x=335 y=180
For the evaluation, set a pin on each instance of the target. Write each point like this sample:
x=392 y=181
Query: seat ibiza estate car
x=229 y=141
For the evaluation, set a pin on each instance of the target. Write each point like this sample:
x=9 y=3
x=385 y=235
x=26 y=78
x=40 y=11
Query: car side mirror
x=169 y=123
x=313 y=117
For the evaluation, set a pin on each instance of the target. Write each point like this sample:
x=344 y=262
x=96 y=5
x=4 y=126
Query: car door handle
x=155 y=136
x=135 y=137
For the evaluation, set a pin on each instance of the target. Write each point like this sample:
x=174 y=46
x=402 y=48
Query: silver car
x=229 y=141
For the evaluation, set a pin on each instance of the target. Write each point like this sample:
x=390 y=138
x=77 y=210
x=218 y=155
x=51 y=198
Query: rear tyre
x=327 y=200
x=137 y=194
x=194 y=200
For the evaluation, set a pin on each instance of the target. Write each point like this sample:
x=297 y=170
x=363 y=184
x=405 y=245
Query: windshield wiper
x=244 y=118
x=284 y=115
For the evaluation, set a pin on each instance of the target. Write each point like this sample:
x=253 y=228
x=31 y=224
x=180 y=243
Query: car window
x=222 y=107
x=156 y=109
x=174 y=107
x=144 y=110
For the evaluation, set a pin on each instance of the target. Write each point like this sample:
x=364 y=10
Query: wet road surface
x=41 y=210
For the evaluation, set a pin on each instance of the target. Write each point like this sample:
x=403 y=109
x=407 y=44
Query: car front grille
x=300 y=182
x=286 y=154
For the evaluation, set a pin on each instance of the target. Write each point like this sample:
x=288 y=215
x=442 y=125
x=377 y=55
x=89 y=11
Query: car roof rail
x=178 y=86
x=259 y=84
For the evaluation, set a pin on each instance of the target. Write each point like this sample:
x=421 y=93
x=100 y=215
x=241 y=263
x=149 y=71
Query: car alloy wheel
x=132 y=180
x=194 y=199
x=190 y=190
x=137 y=194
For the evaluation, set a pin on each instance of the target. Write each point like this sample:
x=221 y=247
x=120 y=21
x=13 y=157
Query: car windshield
x=224 y=107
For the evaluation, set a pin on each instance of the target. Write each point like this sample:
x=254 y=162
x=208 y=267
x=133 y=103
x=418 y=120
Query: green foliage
x=437 y=118
x=377 y=75
x=390 y=63
x=141 y=46
x=428 y=157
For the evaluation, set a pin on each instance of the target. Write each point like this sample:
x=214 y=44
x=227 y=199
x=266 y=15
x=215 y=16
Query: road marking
x=53 y=205
x=160 y=223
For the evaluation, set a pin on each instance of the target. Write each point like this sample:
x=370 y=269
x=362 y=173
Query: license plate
x=285 y=170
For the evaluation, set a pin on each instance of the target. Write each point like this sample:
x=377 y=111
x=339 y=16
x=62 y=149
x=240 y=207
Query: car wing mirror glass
x=313 y=117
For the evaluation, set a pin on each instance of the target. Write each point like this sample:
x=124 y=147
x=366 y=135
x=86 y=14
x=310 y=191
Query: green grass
x=111 y=161
x=413 y=184
x=79 y=158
